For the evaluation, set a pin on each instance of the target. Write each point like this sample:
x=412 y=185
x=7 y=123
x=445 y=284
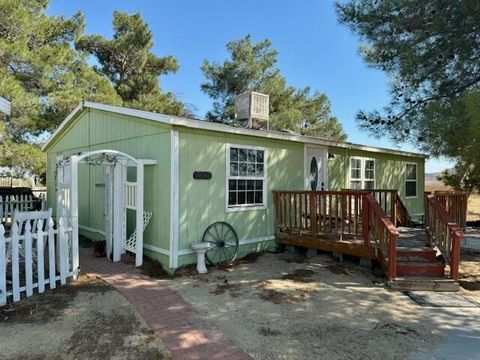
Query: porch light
x=331 y=156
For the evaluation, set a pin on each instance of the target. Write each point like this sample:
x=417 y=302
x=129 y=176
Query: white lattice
x=131 y=242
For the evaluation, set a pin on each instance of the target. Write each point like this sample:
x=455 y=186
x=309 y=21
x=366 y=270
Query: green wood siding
x=203 y=202
x=95 y=130
x=389 y=173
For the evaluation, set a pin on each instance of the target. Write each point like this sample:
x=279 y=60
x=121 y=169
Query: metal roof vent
x=252 y=110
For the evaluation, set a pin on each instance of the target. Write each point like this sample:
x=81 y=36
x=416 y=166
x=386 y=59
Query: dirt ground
x=470 y=272
x=283 y=307
x=85 y=320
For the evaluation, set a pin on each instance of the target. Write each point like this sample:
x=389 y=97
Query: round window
x=313 y=174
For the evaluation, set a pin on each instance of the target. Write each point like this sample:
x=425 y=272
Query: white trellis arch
x=120 y=195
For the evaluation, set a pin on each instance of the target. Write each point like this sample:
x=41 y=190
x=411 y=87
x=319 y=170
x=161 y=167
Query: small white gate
x=64 y=188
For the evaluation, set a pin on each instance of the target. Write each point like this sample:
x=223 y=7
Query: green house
x=197 y=173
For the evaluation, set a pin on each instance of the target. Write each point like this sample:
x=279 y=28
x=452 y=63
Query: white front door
x=316 y=158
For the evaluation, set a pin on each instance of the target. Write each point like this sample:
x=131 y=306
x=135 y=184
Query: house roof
x=5 y=106
x=210 y=126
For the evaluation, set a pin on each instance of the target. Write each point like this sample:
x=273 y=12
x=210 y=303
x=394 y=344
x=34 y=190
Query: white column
x=108 y=204
x=118 y=218
x=174 y=197
x=59 y=182
x=74 y=212
x=139 y=215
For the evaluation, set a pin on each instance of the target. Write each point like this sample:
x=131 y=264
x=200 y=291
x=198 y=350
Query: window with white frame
x=362 y=173
x=411 y=180
x=246 y=176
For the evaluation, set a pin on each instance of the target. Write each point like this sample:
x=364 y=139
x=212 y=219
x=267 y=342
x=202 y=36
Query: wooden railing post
x=365 y=221
x=455 y=257
x=393 y=207
x=313 y=213
x=276 y=212
x=392 y=256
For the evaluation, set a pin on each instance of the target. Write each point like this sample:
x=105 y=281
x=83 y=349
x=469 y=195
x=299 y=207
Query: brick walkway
x=175 y=322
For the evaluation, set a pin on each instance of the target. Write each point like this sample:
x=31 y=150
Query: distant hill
x=432 y=184
x=432 y=176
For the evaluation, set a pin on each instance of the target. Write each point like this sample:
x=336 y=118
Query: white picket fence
x=30 y=259
x=10 y=203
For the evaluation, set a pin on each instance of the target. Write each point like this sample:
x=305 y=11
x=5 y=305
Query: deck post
x=392 y=256
x=365 y=220
x=426 y=219
x=313 y=213
x=276 y=213
x=393 y=207
x=455 y=256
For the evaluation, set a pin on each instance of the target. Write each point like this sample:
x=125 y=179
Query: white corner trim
x=243 y=242
x=174 y=197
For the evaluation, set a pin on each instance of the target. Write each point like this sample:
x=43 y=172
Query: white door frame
x=306 y=164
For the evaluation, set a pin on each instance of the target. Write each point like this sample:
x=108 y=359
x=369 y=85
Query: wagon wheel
x=223 y=243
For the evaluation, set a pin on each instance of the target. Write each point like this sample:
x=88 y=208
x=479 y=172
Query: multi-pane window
x=369 y=174
x=355 y=173
x=410 y=180
x=362 y=173
x=246 y=176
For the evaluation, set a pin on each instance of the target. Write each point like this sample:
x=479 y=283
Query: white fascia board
x=205 y=125
x=209 y=126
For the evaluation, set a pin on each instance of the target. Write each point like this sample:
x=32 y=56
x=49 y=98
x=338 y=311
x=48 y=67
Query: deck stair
x=419 y=266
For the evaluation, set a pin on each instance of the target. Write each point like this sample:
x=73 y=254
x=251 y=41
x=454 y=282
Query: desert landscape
x=433 y=184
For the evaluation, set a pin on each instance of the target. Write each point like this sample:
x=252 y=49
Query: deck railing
x=392 y=205
x=444 y=232
x=349 y=215
x=455 y=203
x=319 y=212
x=384 y=233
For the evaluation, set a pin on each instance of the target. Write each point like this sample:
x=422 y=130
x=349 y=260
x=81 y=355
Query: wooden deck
x=346 y=244
x=355 y=223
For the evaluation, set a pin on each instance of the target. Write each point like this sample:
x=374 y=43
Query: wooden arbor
x=119 y=195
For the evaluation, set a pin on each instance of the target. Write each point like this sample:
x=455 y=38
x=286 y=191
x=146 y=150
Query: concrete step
x=420 y=268
x=416 y=254
x=424 y=283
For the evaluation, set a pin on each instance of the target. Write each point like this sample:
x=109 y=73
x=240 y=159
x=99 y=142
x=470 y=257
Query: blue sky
x=314 y=49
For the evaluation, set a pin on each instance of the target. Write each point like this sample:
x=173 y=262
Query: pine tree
x=44 y=78
x=431 y=51
x=130 y=65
